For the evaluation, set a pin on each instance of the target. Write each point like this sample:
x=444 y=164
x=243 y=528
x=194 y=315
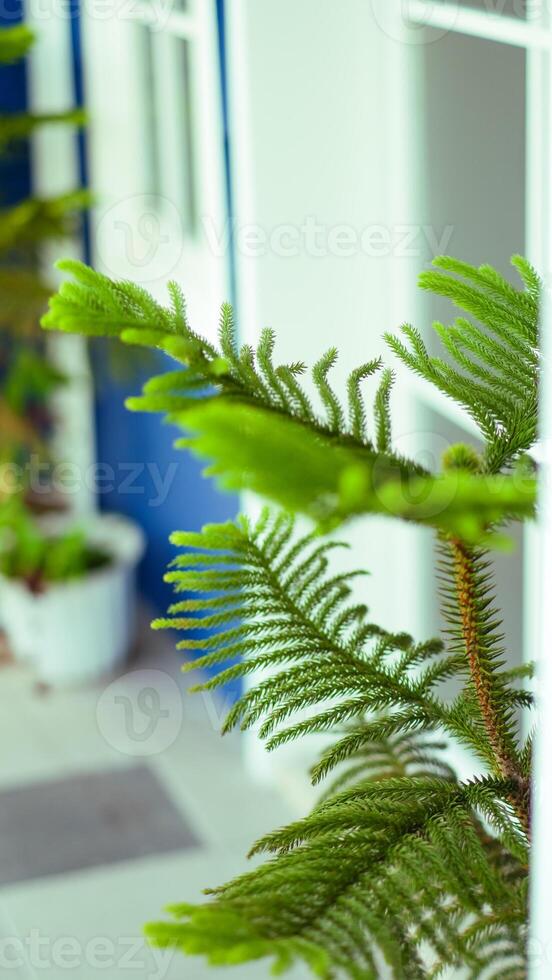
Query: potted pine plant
x=404 y=868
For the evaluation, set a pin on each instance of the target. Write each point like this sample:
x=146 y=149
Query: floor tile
x=92 y=819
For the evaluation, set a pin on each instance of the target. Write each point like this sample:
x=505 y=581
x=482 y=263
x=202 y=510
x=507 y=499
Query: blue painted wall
x=15 y=173
x=158 y=486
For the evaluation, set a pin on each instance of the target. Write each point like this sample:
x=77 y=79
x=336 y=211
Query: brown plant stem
x=506 y=762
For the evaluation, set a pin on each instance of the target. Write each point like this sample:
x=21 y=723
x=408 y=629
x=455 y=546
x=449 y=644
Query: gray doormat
x=87 y=820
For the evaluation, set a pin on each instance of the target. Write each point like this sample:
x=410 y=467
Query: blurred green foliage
x=27 y=377
x=38 y=556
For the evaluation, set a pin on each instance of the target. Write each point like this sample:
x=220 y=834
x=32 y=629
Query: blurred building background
x=306 y=160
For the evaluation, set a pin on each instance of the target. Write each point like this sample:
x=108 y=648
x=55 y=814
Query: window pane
x=509 y=8
x=176 y=131
x=474 y=138
x=474 y=166
x=150 y=145
x=184 y=120
x=165 y=7
x=167 y=153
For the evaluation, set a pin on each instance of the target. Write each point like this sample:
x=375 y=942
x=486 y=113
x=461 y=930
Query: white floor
x=87 y=924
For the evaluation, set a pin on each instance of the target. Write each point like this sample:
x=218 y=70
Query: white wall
x=320 y=118
x=311 y=114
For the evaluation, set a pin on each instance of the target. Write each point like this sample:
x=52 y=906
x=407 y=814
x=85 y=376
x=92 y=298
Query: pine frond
x=249 y=448
x=357 y=409
x=493 y=365
x=93 y=304
x=401 y=869
x=260 y=593
x=280 y=610
x=397 y=872
x=382 y=413
x=258 y=428
x=385 y=756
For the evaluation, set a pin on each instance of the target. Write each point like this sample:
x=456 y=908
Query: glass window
x=508 y=8
x=185 y=123
x=474 y=157
x=150 y=142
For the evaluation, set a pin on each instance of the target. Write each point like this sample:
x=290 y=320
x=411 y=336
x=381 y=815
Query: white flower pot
x=79 y=630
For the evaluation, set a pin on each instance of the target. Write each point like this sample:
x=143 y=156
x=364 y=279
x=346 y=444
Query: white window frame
x=55 y=171
x=113 y=70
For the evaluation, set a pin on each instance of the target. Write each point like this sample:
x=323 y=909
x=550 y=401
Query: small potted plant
x=66 y=592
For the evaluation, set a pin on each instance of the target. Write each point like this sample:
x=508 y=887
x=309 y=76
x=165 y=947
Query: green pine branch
x=260 y=592
x=323 y=463
x=271 y=600
x=249 y=448
x=492 y=368
x=95 y=305
x=401 y=867
x=398 y=871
